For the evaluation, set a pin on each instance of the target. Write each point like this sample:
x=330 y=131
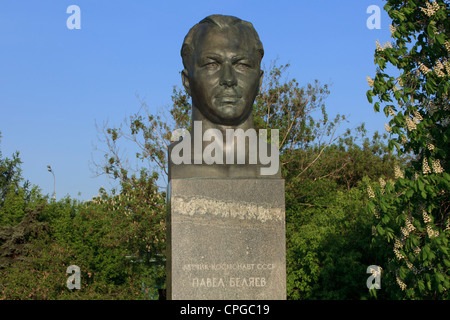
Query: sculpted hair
x=216 y=21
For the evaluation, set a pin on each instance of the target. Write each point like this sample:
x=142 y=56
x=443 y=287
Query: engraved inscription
x=231 y=282
x=208 y=282
x=247 y=282
x=222 y=277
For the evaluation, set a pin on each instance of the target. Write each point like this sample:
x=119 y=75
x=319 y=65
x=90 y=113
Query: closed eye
x=243 y=66
x=240 y=65
x=211 y=65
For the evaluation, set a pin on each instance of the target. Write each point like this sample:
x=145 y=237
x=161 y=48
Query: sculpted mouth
x=228 y=98
x=228 y=101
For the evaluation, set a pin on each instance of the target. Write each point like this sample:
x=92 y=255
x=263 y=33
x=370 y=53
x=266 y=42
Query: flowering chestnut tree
x=411 y=86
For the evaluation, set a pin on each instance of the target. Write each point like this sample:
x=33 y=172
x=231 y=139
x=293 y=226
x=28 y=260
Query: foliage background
x=351 y=200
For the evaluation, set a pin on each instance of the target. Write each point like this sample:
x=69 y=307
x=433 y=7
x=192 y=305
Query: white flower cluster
x=425 y=167
x=432 y=233
x=436 y=164
x=417 y=250
x=391 y=111
x=369 y=81
x=387 y=45
x=392 y=29
x=430 y=146
x=398 y=243
x=400 y=82
x=447 y=66
x=410 y=124
x=439 y=69
x=431 y=8
x=426 y=217
x=447 y=46
x=398 y=254
x=417 y=116
x=398 y=172
x=409 y=227
x=423 y=68
x=382 y=184
x=401 y=284
x=387 y=127
x=378 y=46
x=370 y=192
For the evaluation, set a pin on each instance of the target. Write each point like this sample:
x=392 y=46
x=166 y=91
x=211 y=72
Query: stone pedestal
x=226 y=239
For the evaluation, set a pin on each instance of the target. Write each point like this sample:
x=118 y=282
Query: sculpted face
x=224 y=75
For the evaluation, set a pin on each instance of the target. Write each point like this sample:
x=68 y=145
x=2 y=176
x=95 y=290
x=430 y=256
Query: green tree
x=412 y=212
x=137 y=223
x=16 y=195
x=328 y=228
x=113 y=239
x=10 y=174
x=117 y=240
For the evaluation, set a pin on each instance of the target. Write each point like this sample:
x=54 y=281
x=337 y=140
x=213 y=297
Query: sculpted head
x=222 y=68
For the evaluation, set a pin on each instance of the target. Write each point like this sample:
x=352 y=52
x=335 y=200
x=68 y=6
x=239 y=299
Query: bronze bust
x=222 y=74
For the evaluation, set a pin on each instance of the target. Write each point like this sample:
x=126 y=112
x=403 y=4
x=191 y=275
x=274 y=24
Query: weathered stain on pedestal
x=226 y=239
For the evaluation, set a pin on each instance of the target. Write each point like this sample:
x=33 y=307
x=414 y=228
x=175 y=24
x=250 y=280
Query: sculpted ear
x=261 y=77
x=185 y=80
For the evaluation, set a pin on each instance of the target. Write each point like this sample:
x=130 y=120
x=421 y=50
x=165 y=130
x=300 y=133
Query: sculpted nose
x=228 y=76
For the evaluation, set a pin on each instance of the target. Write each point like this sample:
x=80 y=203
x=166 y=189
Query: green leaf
x=421 y=285
x=380 y=230
x=390 y=234
x=424 y=255
x=420 y=185
x=431 y=29
x=382 y=205
x=446 y=176
x=423 y=194
x=409 y=193
x=377 y=106
x=369 y=95
x=447 y=263
x=371 y=207
x=440 y=277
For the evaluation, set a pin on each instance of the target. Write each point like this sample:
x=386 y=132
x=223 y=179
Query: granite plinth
x=226 y=239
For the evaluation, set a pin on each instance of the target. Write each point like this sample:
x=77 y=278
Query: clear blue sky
x=56 y=83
